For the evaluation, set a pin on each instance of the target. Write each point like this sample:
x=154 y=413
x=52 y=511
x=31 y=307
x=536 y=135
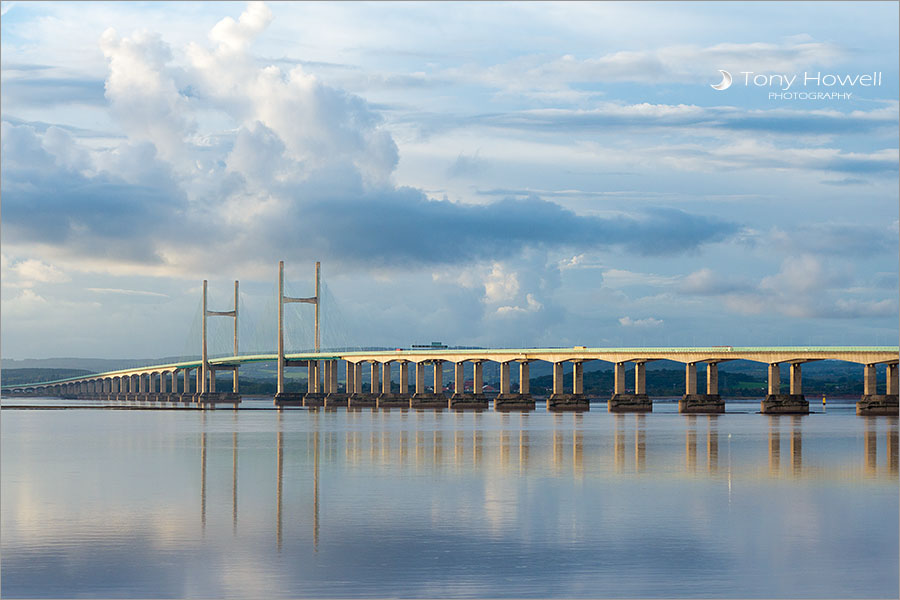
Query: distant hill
x=16 y=376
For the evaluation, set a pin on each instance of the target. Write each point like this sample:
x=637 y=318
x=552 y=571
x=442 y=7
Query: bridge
x=335 y=378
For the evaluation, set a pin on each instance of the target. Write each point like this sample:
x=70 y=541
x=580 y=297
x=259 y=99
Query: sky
x=485 y=174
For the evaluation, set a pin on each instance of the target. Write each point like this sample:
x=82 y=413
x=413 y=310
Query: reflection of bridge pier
x=234 y=466
x=796 y=445
x=774 y=446
x=712 y=443
x=203 y=476
x=690 y=444
x=870 y=440
x=279 y=470
x=640 y=442
x=619 y=443
x=892 y=446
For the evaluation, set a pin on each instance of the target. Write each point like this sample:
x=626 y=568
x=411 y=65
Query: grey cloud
x=726 y=118
x=882 y=122
x=51 y=91
x=331 y=213
x=845 y=181
x=402 y=226
x=466 y=165
x=45 y=201
x=843 y=239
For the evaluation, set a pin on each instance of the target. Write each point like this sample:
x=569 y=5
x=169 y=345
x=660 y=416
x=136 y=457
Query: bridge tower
x=207 y=376
x=282 y=300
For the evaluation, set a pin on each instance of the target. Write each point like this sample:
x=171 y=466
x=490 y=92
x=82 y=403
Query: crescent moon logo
x=726 y=81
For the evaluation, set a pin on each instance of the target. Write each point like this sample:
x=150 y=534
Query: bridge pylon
x=282 y=397
x=207 y=376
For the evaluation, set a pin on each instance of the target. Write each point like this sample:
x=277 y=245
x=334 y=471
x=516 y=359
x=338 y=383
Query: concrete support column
x=326 y=380
x=504 y=378
x=198 y=380
x=142 y=384
x=211 y=386
x=690 y=378
x=774 y=379
x=404 y=378
x=712 y=378
x=478 y=379
x=459 y=377
x=186 y=383
x=357 y=378
x=420 y=378
x=796 y=382
x=892 y=383
x=869 y=381
x=162 y=383
x=577 y=377
x=151 y=383
x=350 y=385
x=640 y=378
x=438 y=376
x=375 y=378
x=321 y=373
x=619 y=383
x=524 y=381
x=334 y=376
x=386 y=378
x=558 y=384
x=311 y=377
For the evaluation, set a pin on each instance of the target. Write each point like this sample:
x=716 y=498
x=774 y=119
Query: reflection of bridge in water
x=460 y=445
x=335 y=378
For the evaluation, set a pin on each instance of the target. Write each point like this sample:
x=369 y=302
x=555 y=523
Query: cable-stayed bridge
x=335 y=377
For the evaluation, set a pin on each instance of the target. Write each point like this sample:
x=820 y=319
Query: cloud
x=705 y=282
x=531 y=305
x=686 y=64
x=52 y=91
x=33 y=270
x=806 y=286
x=841 y=239
x=646 y=322
x=126 y=292
x=465 y=166
x=644 y=116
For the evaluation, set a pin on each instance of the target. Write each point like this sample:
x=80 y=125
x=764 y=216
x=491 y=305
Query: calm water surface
x=264 y=503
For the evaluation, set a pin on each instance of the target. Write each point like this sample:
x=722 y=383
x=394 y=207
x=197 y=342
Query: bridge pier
x=521 y=401
x=435 y=399
x=315 y=380
x=506 y=400
x=357 y=398
x=784 y=404
x=711 y=401
x=873 y=403
x=559 y=400
x=334 y=398
x=622 y=401
x=461 y=399
x=387 y=398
